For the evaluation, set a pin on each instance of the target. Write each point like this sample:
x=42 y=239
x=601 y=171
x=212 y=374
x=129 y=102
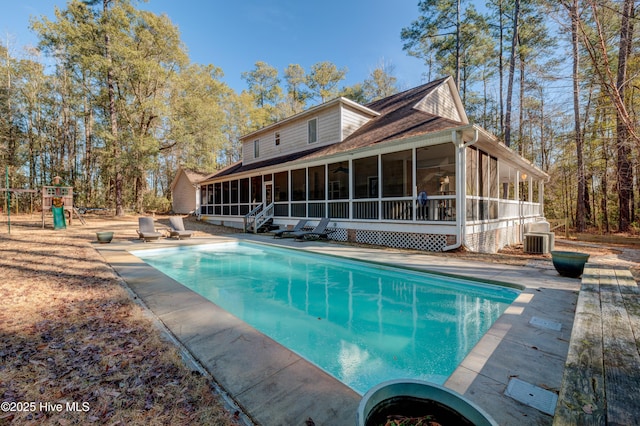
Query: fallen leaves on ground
x=73 y=342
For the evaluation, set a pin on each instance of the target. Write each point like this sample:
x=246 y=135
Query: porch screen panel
x=281 y=193
x=317 y=183
x=226 y=192
x=472 y=183
x=299 y=185
x=217 y=198
x=244 y=196
x=234 y=191
x=217 y=191
x=338 y=177
x=472 y=171
x=493 y=188
x=365 y=177
x=397 y=176
x=256 y=189
x=338 y=180
x=281 y=186
x=244 y=190
x=299 y=193
x=436 y=170
x=483 y=185
x=226 y=196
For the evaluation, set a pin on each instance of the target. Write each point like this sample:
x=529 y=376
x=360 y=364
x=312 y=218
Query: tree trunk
x=501 y=68
x=512 y=67
x=605 y=190
x=458 y=44
x=88 y=146
x=521 y=148
x=623 y=140
x=581 y=216
x=113 y=118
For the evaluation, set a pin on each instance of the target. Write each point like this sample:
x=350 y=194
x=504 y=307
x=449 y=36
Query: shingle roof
x=194 y=175
x=239 y=167
x=398 y=119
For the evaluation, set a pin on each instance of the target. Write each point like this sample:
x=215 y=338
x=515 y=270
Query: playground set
x=56 y=198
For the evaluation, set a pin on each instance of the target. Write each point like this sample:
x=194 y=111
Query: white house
x=405 y=171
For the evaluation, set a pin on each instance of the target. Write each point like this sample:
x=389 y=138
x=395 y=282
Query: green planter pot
x=416 y=398
x=104 y=237
x=569 y=263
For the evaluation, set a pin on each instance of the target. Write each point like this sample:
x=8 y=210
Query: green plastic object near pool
x=361 y=322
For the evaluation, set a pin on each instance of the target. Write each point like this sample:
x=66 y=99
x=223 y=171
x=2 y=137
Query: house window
x=277 y=138
x=312 y=129
x=256 y=148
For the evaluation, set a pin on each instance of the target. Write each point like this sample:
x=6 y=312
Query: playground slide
x=58 y=218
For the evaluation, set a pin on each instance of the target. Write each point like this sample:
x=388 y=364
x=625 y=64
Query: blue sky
x=234 y=34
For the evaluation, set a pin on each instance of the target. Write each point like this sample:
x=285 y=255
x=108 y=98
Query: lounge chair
x=177 y=230
x=320 y=231
x=280 y=233
x=146 y=229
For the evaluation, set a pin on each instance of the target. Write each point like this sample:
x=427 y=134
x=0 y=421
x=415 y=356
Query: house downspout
x=461 y=171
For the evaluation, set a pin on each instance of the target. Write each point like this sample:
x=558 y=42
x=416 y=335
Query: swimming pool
x=362 y=323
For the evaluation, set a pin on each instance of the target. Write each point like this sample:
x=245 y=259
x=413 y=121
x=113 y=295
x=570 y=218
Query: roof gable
x=444 y=101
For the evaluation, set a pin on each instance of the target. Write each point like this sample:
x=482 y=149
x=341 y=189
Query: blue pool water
x=362 y=323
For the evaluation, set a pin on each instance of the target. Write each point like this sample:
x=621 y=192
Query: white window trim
x=256 y=148
x=276 y=137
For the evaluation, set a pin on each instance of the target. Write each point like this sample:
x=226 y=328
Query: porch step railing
x=258 y=217
x=250 y=218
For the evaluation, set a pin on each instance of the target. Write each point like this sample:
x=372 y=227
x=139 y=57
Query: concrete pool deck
x=274 y=386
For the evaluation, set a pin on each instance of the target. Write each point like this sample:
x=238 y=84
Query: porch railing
x=249 y=219
x=257 y=217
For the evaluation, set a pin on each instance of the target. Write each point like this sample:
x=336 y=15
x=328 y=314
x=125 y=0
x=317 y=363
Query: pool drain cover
x=544 y=323
x=533 y=396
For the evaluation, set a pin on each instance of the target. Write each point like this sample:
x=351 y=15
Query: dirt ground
x=77 y=349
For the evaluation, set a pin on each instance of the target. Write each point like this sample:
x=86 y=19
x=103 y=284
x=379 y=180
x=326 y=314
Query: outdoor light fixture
x=523 y=176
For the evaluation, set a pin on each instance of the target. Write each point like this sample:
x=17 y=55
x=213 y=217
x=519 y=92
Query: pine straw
x=70 y=333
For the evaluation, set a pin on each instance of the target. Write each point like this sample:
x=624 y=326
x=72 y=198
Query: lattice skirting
x=493 y=240
x=427 y=242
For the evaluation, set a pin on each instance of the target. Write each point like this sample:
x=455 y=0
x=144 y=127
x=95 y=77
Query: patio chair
x=320 y=231
x=280 y=233
x=146 y=229
x=176 y=228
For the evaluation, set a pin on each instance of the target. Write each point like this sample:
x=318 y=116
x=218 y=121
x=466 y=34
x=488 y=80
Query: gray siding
x=293 y=136
x=352 y=120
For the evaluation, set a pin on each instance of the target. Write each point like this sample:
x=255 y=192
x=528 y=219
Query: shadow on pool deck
x=274 y=386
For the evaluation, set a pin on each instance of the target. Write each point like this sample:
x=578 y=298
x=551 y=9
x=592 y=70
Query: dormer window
x=277 y=138
x=256 y=148
x=312 y=130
